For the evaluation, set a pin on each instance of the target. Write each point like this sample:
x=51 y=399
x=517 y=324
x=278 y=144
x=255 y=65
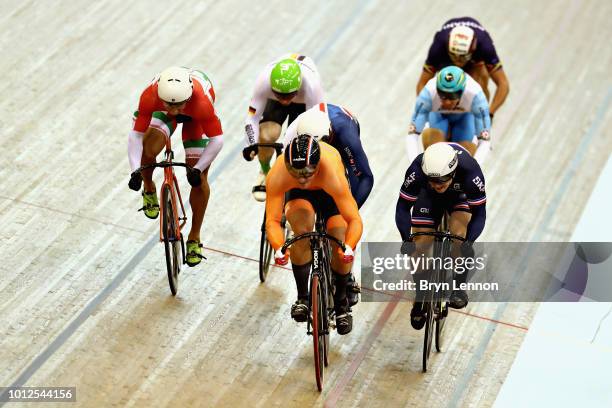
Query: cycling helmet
x=450 y=82
x=440 y=162
x=302 y=156
x=286 y=77
x=174 y=85
x=461 y=40
x=314 y=123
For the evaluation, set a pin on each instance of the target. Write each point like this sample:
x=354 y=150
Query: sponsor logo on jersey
x=479 y=183
x=425 y=210
x=409 y=179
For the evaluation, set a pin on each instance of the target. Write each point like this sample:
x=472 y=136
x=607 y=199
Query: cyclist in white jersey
x=285 y=88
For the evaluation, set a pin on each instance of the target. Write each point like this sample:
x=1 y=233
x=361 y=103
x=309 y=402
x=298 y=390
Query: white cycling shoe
x=259 y=189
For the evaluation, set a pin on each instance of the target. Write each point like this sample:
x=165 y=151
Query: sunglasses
x=449 y=96
x=175 y=104
x=286 y=96
x=441 y=180
x=306 y=172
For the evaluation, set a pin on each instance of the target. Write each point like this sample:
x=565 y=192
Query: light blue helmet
x=450 y=82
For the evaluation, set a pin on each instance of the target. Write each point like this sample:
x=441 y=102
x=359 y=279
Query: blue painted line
x=148 y=246
x=568 y=176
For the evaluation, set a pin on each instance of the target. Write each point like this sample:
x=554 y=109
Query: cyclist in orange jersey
x=312 y=175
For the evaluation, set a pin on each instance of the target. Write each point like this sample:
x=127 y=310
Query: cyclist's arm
x=142 y=120
x=211 y=125
x=256 y=108
x=360 y=170
x=426 y=75
x=409 y=192
x=482 y=120
x=421 y=110
x=275 y=200
x=135 y=149
x=348 y=209
x=477 y=200
x=502 y=89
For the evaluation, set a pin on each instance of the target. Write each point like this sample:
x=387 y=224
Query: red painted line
x=516 y=326
x=391 y=295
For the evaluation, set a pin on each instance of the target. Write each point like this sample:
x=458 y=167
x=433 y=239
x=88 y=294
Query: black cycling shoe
x=458 y=299
x=344 y=320
x=299 y=310
x=352 y=291
x=417 y=316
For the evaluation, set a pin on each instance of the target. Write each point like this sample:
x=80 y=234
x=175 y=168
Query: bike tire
x=265 y=253
x=440 y=321
x=317 y=309
x=172 y=244
x=429 y=334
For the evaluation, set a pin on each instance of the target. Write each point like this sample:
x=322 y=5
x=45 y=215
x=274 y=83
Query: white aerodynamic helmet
x=440 y=161
x=174 y=85
x=460 y=40
x=314 y=122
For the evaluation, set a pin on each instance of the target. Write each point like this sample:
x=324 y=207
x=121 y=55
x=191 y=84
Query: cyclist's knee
x=153 y=142
x=269 y=132
x=431 y=136
x=469 y=146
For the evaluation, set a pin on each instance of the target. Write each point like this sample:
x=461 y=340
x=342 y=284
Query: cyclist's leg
x=458 y=221
x=437 y=130
x=463 y=130
x=426 y=215
x=270 y=127
x=301 y=216
x=195 y=143
x=153 y=142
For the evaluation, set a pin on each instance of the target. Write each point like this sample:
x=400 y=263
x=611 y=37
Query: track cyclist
x=313 y=176
x=456 y=109
x=463 y=42
x=177 y=95
x=341 y=130
x=445 y=178
x=284 y=89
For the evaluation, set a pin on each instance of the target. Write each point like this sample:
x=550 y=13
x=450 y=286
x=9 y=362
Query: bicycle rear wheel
x=265 y=253
x=429 y=333
x=172 y=243
x=318 y=310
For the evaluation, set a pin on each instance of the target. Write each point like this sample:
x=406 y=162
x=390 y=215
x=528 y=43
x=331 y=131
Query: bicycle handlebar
x=321 y=235
x=436 y=234
x=163 y=164
x=278 y=147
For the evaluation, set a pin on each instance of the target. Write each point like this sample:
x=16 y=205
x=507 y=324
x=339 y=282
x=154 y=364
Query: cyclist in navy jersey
x=445 y=178
x=344 y=137
x=463 y=42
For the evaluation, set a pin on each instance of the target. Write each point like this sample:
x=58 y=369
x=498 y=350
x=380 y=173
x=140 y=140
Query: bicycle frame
x=171 y=181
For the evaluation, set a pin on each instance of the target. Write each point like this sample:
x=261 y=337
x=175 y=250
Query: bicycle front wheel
x=318 y=310
x=429 y=333
x=265 y=253
x=440 y=320
x=172 y=243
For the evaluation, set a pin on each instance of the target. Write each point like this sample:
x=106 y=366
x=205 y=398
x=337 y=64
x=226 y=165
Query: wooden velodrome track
x=84 y=300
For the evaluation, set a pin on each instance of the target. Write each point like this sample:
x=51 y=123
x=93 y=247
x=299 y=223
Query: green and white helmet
x=286 y=77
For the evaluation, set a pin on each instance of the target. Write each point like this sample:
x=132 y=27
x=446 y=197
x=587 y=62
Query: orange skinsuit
x=329 y=177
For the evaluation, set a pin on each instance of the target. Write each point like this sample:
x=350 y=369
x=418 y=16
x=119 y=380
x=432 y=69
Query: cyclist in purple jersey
x=465 y=43
x=443 y=179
